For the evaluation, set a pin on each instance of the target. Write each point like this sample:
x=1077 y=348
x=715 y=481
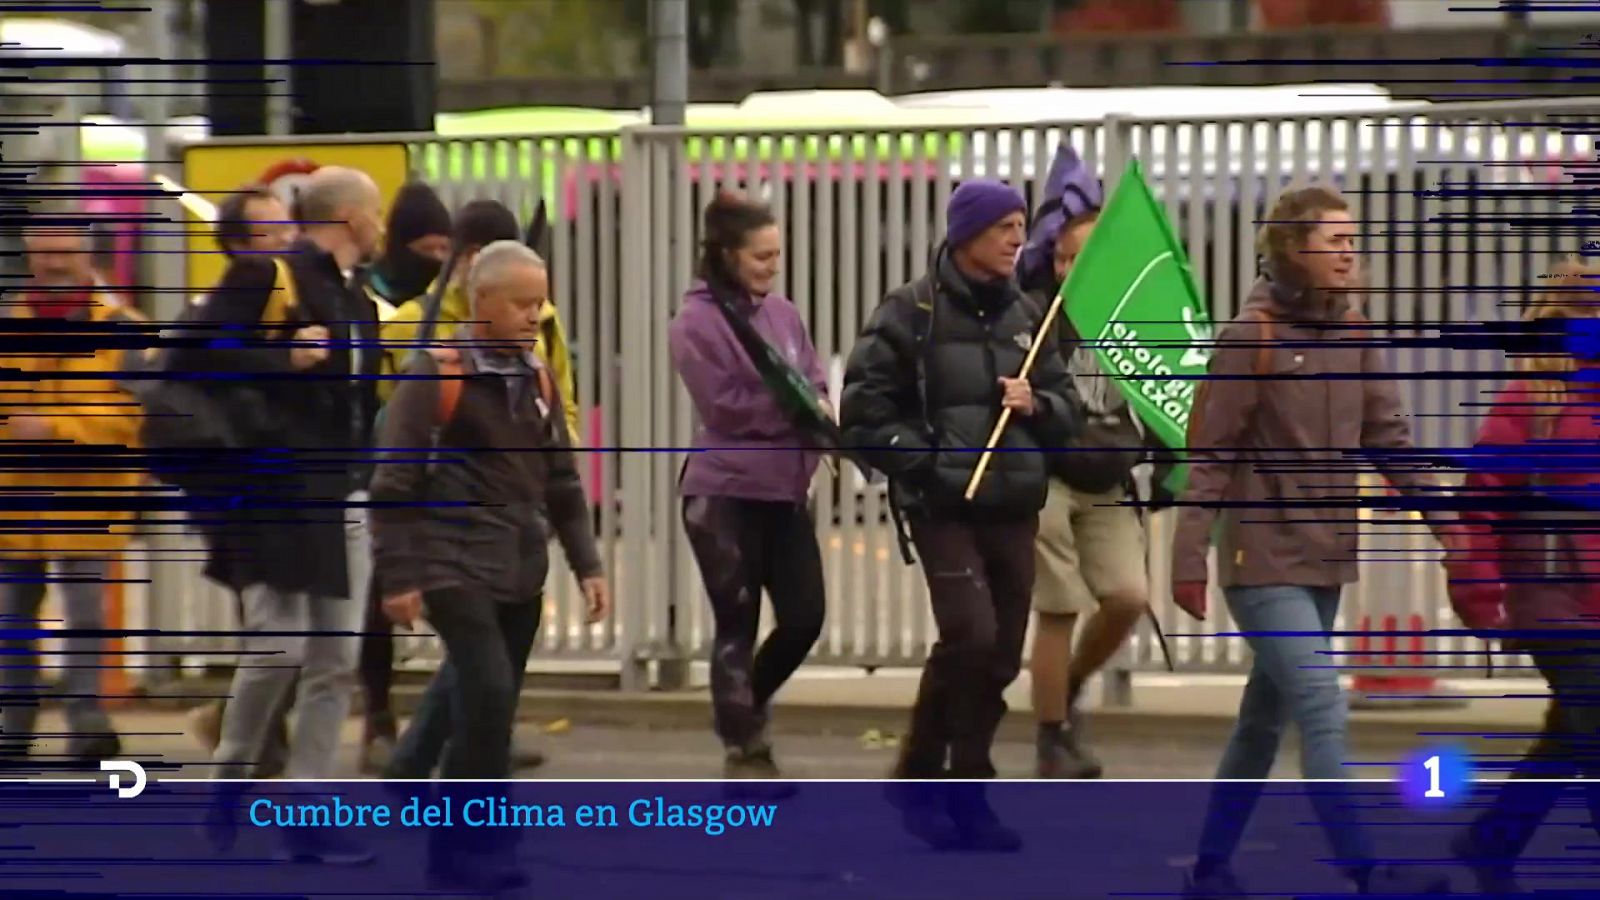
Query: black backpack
x=192 y=427
x=1101 y=456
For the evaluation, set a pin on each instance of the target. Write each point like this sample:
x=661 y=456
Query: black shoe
x=980 y=829
x=744 y=765
x=1218 y=884
x=1494 y=877
x=303 y=846
x=925 y=813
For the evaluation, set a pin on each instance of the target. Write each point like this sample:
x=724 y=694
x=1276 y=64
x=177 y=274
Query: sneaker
x=1218 y=884
x=1495 y=878
x=1397 y=881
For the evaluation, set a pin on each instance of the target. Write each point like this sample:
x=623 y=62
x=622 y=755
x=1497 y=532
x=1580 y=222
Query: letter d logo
x=124 y=765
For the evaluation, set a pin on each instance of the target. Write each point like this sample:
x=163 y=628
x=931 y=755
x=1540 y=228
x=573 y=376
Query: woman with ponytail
x=1532 y=561
x=745 y=489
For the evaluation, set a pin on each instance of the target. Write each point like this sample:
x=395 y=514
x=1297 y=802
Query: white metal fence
x=1459 y=209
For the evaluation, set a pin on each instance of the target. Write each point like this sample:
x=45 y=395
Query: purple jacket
x=746 y=443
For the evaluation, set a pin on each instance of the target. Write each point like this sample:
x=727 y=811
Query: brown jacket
x=481 y=516
x=1260 y=448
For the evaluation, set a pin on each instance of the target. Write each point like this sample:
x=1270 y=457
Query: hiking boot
x=1217 y=884
x=1494 y=877
x=1061 y=756
x=1395 y=881
x=925 y=812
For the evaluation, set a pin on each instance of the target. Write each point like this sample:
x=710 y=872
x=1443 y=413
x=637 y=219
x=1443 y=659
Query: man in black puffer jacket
x=924 y=387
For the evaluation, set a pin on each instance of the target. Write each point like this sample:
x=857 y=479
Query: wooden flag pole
x=1005 y=414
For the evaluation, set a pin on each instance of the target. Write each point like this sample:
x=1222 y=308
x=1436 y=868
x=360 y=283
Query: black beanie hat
x=482 y=222
x=417 y=212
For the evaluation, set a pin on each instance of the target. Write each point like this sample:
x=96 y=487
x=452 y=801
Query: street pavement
x=159 y=740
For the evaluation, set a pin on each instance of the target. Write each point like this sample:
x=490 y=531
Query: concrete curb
x=691 y=709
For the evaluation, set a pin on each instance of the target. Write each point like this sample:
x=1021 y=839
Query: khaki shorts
x=1089 y=548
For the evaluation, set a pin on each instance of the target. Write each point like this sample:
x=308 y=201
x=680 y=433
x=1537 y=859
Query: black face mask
x=407 y=274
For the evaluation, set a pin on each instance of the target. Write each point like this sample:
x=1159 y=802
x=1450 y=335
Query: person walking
x=72 y=396
x=1283 y=429
x=745 y=491
x=1527 y=563
x=1090 y=553
x=925 y=384
x=416 y=243
x=251 y=221
x=306 y=505
x=478 y=224
x=463 y=540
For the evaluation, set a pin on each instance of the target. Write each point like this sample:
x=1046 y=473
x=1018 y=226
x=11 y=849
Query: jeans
x=285 y=632
x=1291 y=678
x=423 y=741
x=82 y=596
x=744 y=547
x=488 y=643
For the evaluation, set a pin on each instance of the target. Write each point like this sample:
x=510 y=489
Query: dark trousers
x=980 y=582
x=743 y=547
x=377 y=664
x=1566 y=748
x=488 y=644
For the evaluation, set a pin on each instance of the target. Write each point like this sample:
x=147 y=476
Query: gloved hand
x=1191 y=598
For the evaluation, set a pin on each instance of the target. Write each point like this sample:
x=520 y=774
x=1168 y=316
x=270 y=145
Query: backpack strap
x=284 y=299
x=448 y=360
x=924 y=296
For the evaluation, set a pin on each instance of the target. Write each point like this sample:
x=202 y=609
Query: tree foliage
x=553 y=37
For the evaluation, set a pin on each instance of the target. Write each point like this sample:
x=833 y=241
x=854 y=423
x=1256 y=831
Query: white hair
x=493 y=261
x=331 y=190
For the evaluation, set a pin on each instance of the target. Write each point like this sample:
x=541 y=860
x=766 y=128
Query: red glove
x=1191 y=598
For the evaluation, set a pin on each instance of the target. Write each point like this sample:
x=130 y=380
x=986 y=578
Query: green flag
x=1132 y=295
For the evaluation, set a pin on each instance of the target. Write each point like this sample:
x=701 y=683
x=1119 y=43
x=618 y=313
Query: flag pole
x=1005 y=414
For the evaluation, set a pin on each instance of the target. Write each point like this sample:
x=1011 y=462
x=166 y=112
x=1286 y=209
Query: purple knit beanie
x=976 y=205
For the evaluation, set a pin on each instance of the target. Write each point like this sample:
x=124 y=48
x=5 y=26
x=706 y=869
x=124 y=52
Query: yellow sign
x=214 y=171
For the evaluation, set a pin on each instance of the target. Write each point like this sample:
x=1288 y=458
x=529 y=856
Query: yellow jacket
x=398 y=334
x=90 y=409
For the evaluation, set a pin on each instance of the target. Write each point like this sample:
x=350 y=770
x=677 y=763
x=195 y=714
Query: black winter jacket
x=927 y=432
